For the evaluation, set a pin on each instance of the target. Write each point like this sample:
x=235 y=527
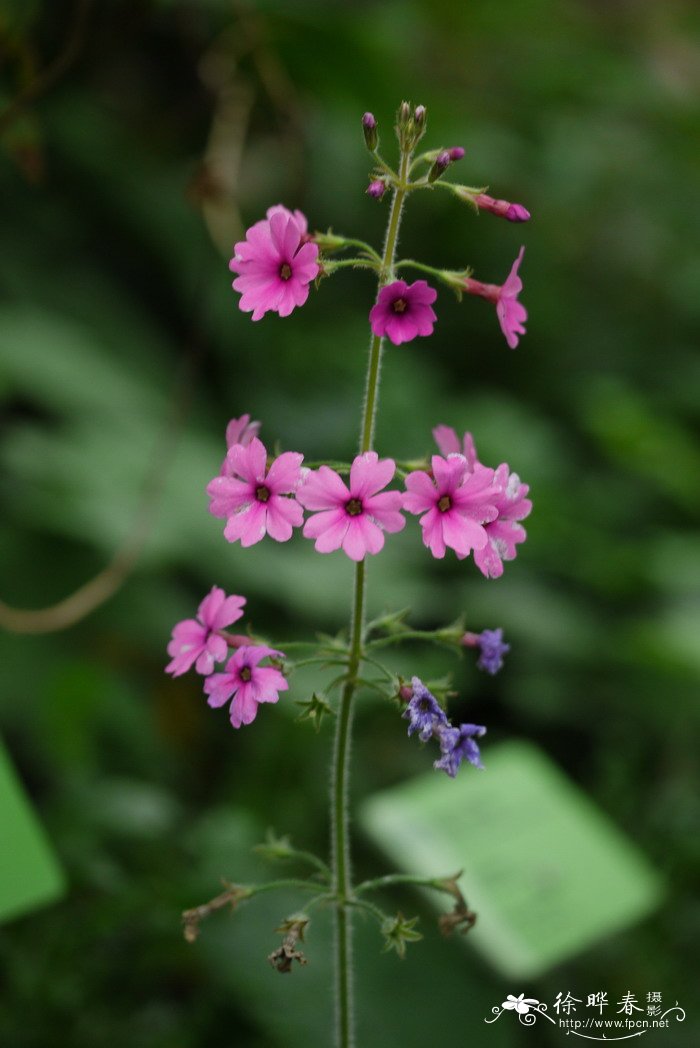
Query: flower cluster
x=426 y=716
x=203 y=641
x=462 y=504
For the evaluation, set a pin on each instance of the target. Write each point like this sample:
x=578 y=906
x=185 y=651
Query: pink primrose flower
x=239 y=431
x=275 y=264
x=246 y=682
x=252 y=498
x=510 y=312
x=455 y=502
x=197 y=641
x=403 y=311
x=353 y=518
x=504 y=533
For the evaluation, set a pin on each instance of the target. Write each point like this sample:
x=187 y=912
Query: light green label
x=546 y=871
x=30 y=875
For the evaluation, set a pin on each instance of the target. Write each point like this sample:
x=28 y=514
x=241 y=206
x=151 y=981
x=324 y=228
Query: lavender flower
x=423 y=712
x=456 y=745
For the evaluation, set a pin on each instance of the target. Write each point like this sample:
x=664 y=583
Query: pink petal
x=219 y=687
x=318 y=523
x=244 y=707
x=362 y=537
x=331 y=538
x=446 y=440
x=283 y=514
x=248 y=525
x=368 y=474
x=386 y=510
x=400 y=328
x=249 y=461
x=323 y=489
x=431 y=524
x=284 y=473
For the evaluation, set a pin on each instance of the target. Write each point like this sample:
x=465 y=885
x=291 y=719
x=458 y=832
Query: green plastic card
x=544 y=868
x=30 y=875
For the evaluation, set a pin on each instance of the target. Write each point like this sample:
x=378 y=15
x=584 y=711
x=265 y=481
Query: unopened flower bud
x=404 y=114
x=517 y=213
x=502 y=208
x=419 y=117
x=376 y=189
x=405 y=693
x=456 y=153
x=440 y=164
x=369 y=128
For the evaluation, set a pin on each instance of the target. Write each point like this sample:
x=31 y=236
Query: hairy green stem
x=342 y=882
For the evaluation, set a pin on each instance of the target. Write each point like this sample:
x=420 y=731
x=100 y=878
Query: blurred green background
x=166 y=129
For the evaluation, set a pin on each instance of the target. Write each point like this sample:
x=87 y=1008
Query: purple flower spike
x=403 y=311
x=423 y=712
x=456 y=745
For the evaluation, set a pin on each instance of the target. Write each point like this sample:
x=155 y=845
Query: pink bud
x=502 y=208
x=517 y=213
x=405 y=693
x=376 y=189
x=456 y=153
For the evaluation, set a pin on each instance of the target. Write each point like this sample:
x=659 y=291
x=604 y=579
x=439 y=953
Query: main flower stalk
x=340 y=773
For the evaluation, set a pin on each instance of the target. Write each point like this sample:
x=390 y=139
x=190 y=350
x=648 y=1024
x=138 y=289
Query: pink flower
x=511 y=313
x=403 y=311
x=253 y=499
x=246 y=682
x=239 y=431
x=353 y=518
x=275 y=264
x=503 y=533
x=455 y=502
x=197 y=640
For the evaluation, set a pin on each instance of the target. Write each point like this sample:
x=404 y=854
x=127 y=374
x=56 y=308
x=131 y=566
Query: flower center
x=399 y=305
x=445 y=503
x=262 y=493
x=285 y=271
x=353 y=507
x=246 y=673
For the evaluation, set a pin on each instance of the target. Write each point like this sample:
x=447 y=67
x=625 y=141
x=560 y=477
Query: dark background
x=163 y=130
